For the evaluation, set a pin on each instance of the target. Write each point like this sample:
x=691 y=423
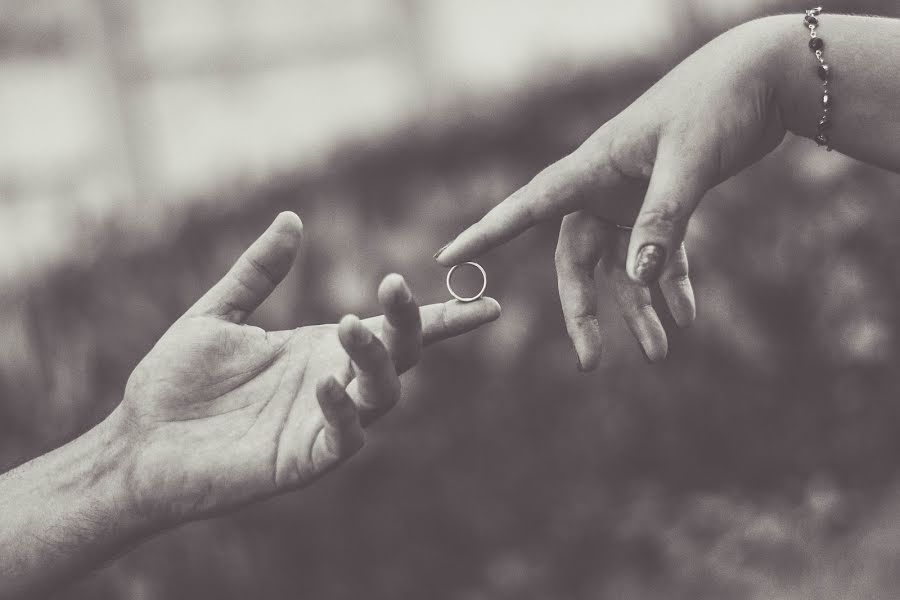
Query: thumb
x=673 y=194
x=256 y=273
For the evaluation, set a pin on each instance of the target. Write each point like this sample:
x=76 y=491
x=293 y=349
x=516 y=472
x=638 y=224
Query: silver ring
x=483 y=285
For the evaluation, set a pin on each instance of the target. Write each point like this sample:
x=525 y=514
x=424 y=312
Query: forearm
x=65 y=513
x=863 y=54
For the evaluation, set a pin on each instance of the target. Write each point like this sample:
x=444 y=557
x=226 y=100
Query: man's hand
x=217 y=415
x=223 y=413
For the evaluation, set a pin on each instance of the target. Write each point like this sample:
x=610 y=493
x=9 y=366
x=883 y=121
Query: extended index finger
x=574 y=182
x=557 y=190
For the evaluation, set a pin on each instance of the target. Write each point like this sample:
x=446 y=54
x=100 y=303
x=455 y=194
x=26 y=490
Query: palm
x=244 y=402
x=230 y=413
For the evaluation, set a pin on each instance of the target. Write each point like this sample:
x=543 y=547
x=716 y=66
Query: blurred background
x=145 y=143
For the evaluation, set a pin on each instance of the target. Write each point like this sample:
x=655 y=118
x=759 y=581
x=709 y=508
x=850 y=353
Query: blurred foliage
x=758 y=461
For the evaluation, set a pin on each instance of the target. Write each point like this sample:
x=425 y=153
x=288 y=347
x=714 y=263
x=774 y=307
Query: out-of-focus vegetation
x=756 y=462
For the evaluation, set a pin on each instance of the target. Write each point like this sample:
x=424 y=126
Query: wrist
x=102 y=461
x=784 y=64
x=797 y=86
x=66 y=512
x=126 y=468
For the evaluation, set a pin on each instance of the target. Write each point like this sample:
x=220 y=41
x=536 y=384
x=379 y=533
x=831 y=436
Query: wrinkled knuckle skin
x=667 y=219
x=667 y=213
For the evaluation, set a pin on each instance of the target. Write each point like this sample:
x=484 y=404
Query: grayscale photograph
x=449 y=300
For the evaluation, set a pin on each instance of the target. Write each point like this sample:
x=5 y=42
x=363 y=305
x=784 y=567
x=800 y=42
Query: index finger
x=573 y=182
x=555 y=191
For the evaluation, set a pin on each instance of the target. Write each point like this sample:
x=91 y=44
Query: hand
x=710 y=117
x=586 y=241
x=220 y=413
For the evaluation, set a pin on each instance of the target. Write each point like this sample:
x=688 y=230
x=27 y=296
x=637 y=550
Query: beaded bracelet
x=818 y=47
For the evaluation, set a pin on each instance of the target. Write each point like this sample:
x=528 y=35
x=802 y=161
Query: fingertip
x=647 y=329
x=685 y=319
x=348 y=321
x=655 y=352
x=679 y=295
x=586 y=363
x=326 y=385
x=452 y=318
x=690 y=313
x=328 y=392
x=492 y=308
x=438 y=255
x=692 y=316
x=281 y=243
x=444 y=261
x=331 y=396
x=288 y=222
x=353 y=333
x=587 y=344
x=393 y=290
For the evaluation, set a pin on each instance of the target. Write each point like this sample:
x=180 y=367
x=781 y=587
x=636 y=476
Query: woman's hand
x=586 y=241
x=711 y=116
x=720 y=110
x=220 y=413
x=707 y=119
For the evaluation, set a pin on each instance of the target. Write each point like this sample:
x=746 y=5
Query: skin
x=719 y=111
x=218 y=414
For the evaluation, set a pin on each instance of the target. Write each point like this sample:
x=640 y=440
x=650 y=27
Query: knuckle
x=679 y=279
x=638 y=313
x=646 y=311
x=678 y=270
x=667 y=215
x=262 y=270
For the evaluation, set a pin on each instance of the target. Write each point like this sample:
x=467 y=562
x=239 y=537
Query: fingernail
x=649 y=264
x=441 y=249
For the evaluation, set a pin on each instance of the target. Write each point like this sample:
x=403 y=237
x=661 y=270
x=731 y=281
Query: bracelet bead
x=823 y=70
